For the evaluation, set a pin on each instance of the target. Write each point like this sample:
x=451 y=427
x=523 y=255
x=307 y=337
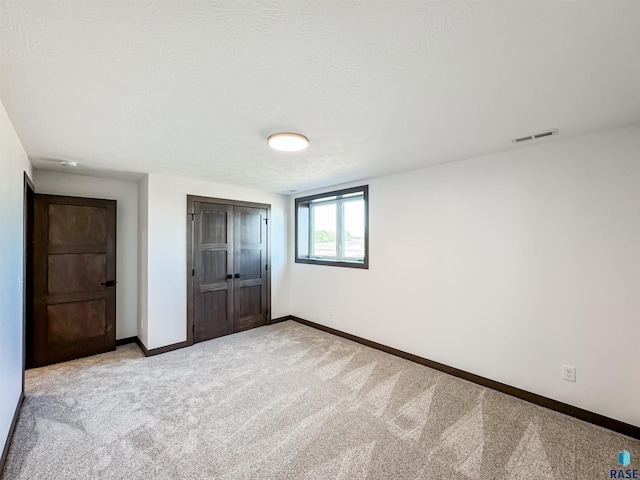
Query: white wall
x=166 y=251
x=13 y=164
x=126 y=194
x=506 y=266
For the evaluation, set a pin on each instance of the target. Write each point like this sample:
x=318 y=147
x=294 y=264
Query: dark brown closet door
x=228 y=255
x=74 y=278
x=213 y=263
x=250 y=268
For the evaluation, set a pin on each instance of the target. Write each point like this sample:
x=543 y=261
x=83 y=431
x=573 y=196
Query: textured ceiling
x=195 y=87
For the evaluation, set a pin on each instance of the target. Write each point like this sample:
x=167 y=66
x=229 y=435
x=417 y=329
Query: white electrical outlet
x=331 y=311
x=569 y=373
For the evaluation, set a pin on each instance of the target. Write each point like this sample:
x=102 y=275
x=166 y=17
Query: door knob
x=109 y=283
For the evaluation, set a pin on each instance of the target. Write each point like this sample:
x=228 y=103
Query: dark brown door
x=250 y=268
x=74 y=278
x=229 y=268
x=213 y=280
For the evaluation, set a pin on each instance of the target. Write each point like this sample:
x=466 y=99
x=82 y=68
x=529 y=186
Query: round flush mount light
x=68 y=163
x=288 y=142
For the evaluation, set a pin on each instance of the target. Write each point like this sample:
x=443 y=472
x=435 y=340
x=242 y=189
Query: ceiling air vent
x=535 y=136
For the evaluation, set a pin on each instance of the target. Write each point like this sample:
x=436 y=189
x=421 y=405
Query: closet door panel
x=251 y=267
x=212 y=290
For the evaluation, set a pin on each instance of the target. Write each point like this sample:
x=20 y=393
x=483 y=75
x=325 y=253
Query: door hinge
x=193 y=327
x=193 y=273
x=193 y=216
x=266 y=221
x=267 y=311
x=266 y=267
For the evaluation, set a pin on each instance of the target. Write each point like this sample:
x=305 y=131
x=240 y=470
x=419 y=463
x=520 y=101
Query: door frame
x=27 y=268
x=191 y=199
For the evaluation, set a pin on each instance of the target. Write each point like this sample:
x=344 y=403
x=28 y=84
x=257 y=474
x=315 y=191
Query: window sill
x=334 y=263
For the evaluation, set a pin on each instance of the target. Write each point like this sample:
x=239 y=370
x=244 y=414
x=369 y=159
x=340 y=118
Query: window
x=333 y=228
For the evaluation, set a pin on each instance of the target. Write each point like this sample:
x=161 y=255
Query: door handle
x=229 y=276
x=109 y=283
x=237 y=275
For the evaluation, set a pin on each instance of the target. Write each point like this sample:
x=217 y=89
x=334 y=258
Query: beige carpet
x=288 y=401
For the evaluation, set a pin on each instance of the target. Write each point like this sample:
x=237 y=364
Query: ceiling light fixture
x=68 y=163
x=288 y=142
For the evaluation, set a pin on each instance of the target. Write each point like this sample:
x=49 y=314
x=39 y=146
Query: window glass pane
x=354 y=228
x=324 y=230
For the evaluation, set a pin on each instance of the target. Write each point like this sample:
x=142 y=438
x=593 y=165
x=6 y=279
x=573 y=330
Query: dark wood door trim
x=27 y=268
x=223 y=201
x=191 y=211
